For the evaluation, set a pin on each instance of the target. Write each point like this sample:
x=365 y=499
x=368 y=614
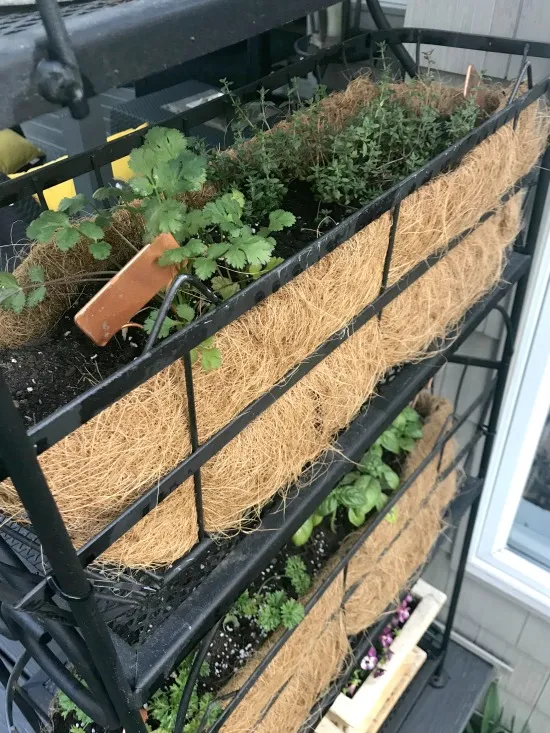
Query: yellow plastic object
x=66 y=189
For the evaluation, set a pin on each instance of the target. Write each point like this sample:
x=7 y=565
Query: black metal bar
x=398 y=49
x=389 y=251
x=474 y=361
x=20 y=459
x=195 y=445
x=21 y=699
x=200 y=656
x=188 y=560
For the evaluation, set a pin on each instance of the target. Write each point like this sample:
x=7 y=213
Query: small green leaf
x=7 y=280
x=316 y=519
x=407 y=444
x=36 y=274
x=66 y=238
x=204 y=267
x=173 y=256
x=279 y=220
x=167 y=325
x=91 y=230
x=392 y=515
x=300 y=537
x=36 y=296
x=415 y=433
x=165 y=142
x=17 y=301
x=292 y=613
x=100 y=250
x=195 y=248
x=352 y=497
x=356 y=516
x=390 y=477
x=224 y=286
x=328 y=505
x=141 y=186
x=235 y=257
x=106 y=192
x=185 y=312
x=217 y=250
x=257 y=249
x=163 y=216
x=210 y=359
x=390 y=441
x=45 y=226
x=381 y=501
x=73 y=205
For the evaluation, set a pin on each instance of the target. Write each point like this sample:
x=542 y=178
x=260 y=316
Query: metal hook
x=169 y=298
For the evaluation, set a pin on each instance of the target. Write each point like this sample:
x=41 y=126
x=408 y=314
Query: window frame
x=524 y=411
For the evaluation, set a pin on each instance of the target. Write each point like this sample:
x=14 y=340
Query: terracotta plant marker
x=472 y=80
x=127 y=293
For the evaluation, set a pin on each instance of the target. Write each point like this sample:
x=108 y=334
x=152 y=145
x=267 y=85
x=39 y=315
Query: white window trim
x=524 y=411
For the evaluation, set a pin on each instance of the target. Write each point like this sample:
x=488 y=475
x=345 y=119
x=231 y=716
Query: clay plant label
x=127 y=292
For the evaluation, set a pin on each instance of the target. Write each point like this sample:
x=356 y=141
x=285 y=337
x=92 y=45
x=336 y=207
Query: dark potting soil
x=49 y=372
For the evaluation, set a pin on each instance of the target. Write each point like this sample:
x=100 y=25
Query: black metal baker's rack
x=66 y=616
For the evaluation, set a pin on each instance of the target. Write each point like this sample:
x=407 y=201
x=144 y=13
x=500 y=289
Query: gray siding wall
x=524 y=19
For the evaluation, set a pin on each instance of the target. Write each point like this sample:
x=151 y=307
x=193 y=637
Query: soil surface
x=49 y=372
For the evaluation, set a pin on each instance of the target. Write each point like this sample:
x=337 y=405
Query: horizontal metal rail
x=83 y=408
x=94 y=159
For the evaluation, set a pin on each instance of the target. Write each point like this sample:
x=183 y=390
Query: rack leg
x=19 y=457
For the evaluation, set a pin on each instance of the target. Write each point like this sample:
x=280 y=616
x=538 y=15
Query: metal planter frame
x=58 y=613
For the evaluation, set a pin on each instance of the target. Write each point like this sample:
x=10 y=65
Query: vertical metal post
x=389 y=251
x=18 y=455
x=194 y=434
x=439 y=678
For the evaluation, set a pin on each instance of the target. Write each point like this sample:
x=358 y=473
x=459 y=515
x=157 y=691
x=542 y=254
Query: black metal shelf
x=180 y=632
x=424 y=708
x=120 y=676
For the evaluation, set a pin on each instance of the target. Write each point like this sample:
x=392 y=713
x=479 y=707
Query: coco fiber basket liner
x=284 y=694
x=394 y=552
x=321 y=630
x=99 y=469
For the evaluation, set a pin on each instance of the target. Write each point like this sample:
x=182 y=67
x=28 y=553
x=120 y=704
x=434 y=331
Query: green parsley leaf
x=67 y=238
x=185 y=312
x=36 y=296
x=45 y=226
x=204 y=267
x=73 y=205
x=279 y=220
x=91 y=230
x=100 y=250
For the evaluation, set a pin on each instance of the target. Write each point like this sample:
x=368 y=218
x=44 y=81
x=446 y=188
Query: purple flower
x=378 y=673
x=351 y=690
x=409 y=598
x=386 y=637
x=369 y=662
x=403 y=615
x=395 y=621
